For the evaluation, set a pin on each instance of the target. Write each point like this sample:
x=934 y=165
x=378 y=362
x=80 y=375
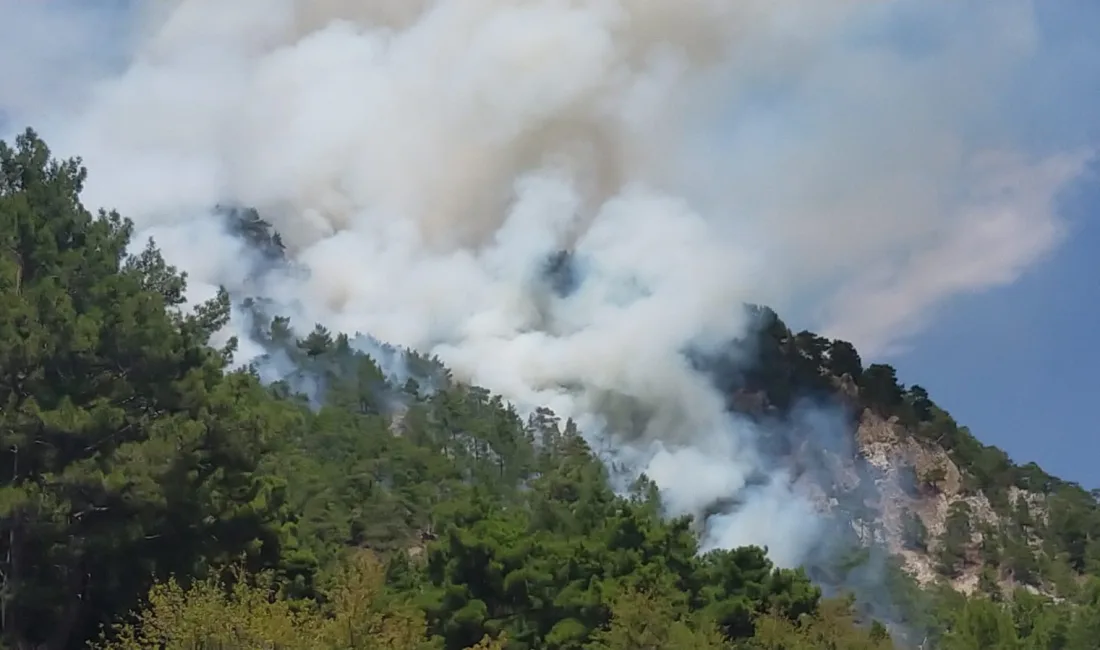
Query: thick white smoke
x=424 y=159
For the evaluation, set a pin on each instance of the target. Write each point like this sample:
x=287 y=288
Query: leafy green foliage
x=953 y=545
x=1052 y=548
x=126 y=448
x=359 y=506
x=914 y=533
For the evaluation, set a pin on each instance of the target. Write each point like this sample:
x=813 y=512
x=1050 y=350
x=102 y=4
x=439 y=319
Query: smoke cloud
x=426 y=160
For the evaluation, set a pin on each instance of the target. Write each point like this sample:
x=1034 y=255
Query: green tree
x=921 y=404
x=844 y=360
x=246 y=613
x=956 y=538
x=914 y=534
x=880 y=388
x=982 y=625
x=642 y=620
x=126 y=450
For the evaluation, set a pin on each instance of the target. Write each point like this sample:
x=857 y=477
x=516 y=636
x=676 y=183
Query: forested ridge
x=151 y=496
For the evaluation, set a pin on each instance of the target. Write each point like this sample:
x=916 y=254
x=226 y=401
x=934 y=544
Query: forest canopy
x=152 y=494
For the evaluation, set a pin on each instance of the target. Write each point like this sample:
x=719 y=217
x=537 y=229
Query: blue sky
x=1018 y=364
x=1015 y=363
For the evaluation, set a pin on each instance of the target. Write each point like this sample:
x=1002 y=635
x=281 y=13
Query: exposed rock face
x=898 y=475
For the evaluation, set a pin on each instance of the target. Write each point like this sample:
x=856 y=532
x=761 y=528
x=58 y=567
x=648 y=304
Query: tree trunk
x=73 y=609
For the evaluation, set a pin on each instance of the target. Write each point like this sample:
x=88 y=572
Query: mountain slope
x=357 y=493
x=951 y=507
x=903 y=477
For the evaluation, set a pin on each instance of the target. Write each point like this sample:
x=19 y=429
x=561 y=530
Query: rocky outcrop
x=898 y=475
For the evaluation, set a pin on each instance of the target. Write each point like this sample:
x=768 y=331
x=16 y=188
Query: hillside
x=340 y=493
x=950 y=507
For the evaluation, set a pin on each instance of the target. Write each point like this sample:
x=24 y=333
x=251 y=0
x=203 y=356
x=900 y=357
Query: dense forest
x=151 y=496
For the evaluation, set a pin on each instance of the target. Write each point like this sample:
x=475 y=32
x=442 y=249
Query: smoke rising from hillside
x=425 y=160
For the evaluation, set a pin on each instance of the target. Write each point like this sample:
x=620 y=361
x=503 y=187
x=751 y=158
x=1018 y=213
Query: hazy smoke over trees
x=426 y=163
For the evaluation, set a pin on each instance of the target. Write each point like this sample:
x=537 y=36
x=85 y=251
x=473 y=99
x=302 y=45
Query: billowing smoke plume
x=560 y=198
